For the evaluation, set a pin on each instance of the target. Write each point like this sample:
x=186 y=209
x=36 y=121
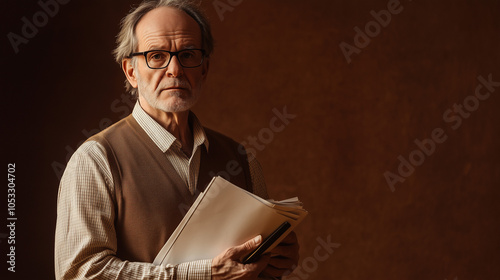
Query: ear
x=129 y=71
x=204 y=68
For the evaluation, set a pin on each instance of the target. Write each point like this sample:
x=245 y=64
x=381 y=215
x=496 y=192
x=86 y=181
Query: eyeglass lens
x=187 y=58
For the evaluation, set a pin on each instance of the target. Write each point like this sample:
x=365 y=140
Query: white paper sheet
x=223 y=216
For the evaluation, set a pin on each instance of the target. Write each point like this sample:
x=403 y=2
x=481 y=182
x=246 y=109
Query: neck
x=177 y=123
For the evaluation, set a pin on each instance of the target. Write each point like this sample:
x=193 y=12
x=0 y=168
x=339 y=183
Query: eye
x=187 y=54
x=157 y=56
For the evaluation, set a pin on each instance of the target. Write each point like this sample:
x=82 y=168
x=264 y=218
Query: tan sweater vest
x=150 y=197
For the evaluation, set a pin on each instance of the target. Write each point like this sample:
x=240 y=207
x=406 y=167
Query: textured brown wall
x=352 y=122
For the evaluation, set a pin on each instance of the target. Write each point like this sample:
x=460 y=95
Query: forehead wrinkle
x=154 y=41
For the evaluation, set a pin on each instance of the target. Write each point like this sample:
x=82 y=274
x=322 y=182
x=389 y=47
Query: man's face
x=173 y=89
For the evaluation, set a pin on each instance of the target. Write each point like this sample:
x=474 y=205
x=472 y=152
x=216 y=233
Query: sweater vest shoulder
x=150 y=197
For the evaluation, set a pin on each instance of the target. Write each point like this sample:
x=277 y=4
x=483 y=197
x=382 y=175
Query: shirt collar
x=161 y=137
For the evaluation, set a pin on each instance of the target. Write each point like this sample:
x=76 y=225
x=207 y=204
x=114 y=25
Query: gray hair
x=127 y=42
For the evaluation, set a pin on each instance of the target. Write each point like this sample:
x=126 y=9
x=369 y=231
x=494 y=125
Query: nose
x=174 y=68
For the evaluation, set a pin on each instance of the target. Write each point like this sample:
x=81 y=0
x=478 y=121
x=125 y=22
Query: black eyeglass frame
x=172 y=54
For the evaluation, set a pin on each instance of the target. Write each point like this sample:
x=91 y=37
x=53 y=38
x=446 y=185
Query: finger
x=281 y=263
x=286 y=256
x=260 y=264
x=246 y=248
x=291 y=238
x=286 y=250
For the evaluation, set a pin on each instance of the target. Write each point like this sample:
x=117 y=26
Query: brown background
x=352 y=122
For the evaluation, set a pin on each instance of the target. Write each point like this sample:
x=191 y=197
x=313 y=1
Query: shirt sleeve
x=85 y=240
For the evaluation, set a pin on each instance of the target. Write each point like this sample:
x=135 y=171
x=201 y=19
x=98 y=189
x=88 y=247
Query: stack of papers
x=223 y=216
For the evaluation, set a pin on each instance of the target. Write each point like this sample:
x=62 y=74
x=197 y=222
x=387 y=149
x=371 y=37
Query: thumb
x=247 y=247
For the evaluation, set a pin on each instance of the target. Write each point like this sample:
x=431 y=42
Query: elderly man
x=120 y=195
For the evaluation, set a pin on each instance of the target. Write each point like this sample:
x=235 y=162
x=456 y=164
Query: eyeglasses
x=159 y=59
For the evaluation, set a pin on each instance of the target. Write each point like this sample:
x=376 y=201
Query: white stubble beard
x=178 y=104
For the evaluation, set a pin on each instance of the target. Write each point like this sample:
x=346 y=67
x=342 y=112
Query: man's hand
x=228 y=266
x=284 y=256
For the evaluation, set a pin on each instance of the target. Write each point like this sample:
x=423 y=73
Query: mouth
x=175 y=88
